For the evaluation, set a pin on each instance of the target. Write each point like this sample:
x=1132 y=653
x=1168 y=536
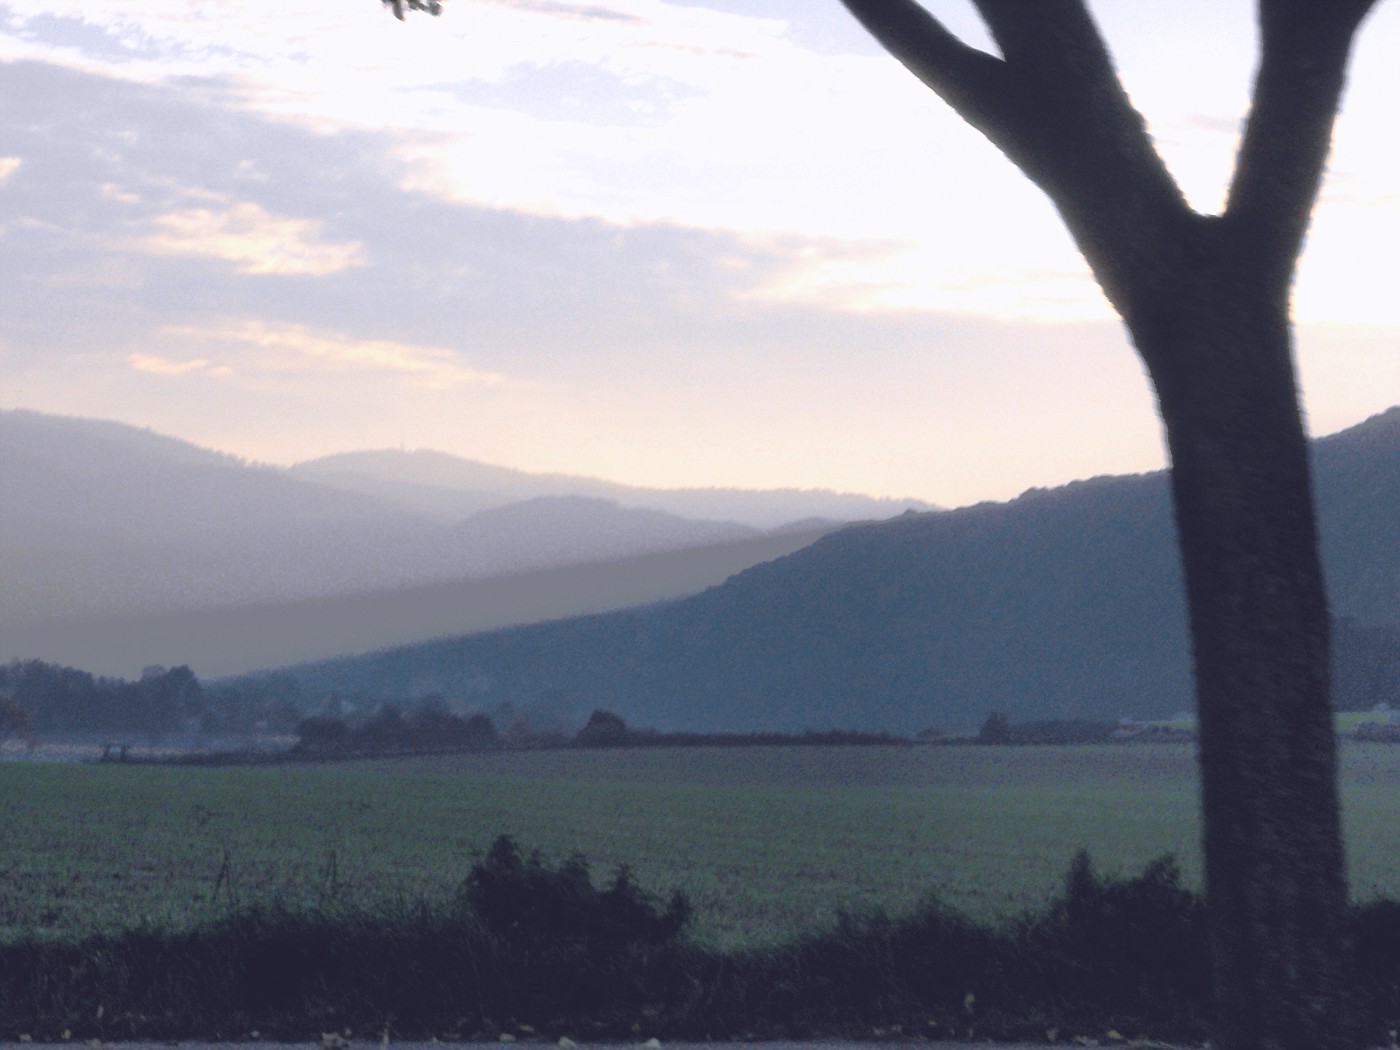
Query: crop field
x=765 y=841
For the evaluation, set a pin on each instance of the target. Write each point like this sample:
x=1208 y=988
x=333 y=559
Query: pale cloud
x=8 y=166
x=264 y=348
x=710 y=120
x=752 y=97
x=112 y=192
x=154 y=364
x=254 y=240
x=912 y=278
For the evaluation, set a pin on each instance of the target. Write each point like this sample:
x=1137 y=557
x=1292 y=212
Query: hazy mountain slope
x=103 y=519
x=452 y=487
x=1358 y=485
x=579 y=528
x=237 y=640
x=1064 y=603
x=448 y=487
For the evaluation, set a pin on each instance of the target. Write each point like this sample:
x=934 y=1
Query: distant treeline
x=432 y=727
x=997 y=728
x=36 y=697
x=606 y=729
x=428 y=727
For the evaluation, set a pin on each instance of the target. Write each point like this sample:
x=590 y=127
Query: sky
x=700 y=243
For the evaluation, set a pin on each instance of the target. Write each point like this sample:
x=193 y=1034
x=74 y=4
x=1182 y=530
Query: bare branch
x=1305 y=46
x=1063 y=72
x=1053 y=104
x=1020 y=32
x=970 y=81
x=433 y=7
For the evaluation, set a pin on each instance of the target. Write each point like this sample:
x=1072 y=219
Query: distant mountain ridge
x=109 y=524
x=451 y=487
x=1060 y=604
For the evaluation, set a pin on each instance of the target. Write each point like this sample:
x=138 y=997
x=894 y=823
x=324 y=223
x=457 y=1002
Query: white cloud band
x=254 y=240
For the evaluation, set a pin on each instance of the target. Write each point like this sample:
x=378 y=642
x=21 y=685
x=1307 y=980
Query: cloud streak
x=255 y=241
x=164 y=366
x=643 y=111
x=283 y=349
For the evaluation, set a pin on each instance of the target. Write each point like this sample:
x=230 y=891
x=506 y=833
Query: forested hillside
x=1060 y=604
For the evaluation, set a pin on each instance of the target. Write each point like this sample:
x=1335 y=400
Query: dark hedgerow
x=532 y=946
x=1376 y=932
x=1138 y=943
x=564 y=950
x=866 y=973
x=526 y=899
x=525 y=943
x=1124 y=954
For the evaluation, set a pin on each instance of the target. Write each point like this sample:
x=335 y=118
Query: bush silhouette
x=604 y=729
x=995 y=729
x=524 y=898
x=1130 y=950
x=564 y=949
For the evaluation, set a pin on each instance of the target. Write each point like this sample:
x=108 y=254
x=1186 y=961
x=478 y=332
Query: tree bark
x=1206 y=300
x=1241 y=480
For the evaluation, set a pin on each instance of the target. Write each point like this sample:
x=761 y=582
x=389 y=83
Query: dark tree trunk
x=1241 y=482
x=1206 y=301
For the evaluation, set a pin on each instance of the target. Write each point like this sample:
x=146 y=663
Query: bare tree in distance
x=1206 y=301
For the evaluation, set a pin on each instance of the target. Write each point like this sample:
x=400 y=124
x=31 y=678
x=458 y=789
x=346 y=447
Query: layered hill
x=120 y=547
x=1060 y=604
x=450 y=488
x=236 y=639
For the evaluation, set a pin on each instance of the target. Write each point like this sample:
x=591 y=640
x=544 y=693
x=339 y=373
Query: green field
x=766 y=841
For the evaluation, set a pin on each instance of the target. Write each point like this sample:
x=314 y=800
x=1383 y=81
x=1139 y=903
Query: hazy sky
x=717 y=242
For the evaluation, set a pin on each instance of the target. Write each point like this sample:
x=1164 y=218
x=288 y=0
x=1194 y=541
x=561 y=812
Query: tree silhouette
x=995 y=729
x=14 y=719
x=1205 y=299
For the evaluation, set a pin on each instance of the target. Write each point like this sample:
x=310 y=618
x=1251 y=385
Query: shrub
x=1121 y=951
x=604 y=729
x=1061 y=731
x=995 y=729
x=479 y=731
x=388 y=729
x=563 y=949
x=527 y=899
x=322 y=733
x=14 y=719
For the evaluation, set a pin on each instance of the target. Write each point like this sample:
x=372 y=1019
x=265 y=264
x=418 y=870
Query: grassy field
x=766 y=842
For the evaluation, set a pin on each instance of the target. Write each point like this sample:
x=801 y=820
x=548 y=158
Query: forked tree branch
x=1304 y=50
x=1019 y=30
x=1053 y=104
x=973 y=82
